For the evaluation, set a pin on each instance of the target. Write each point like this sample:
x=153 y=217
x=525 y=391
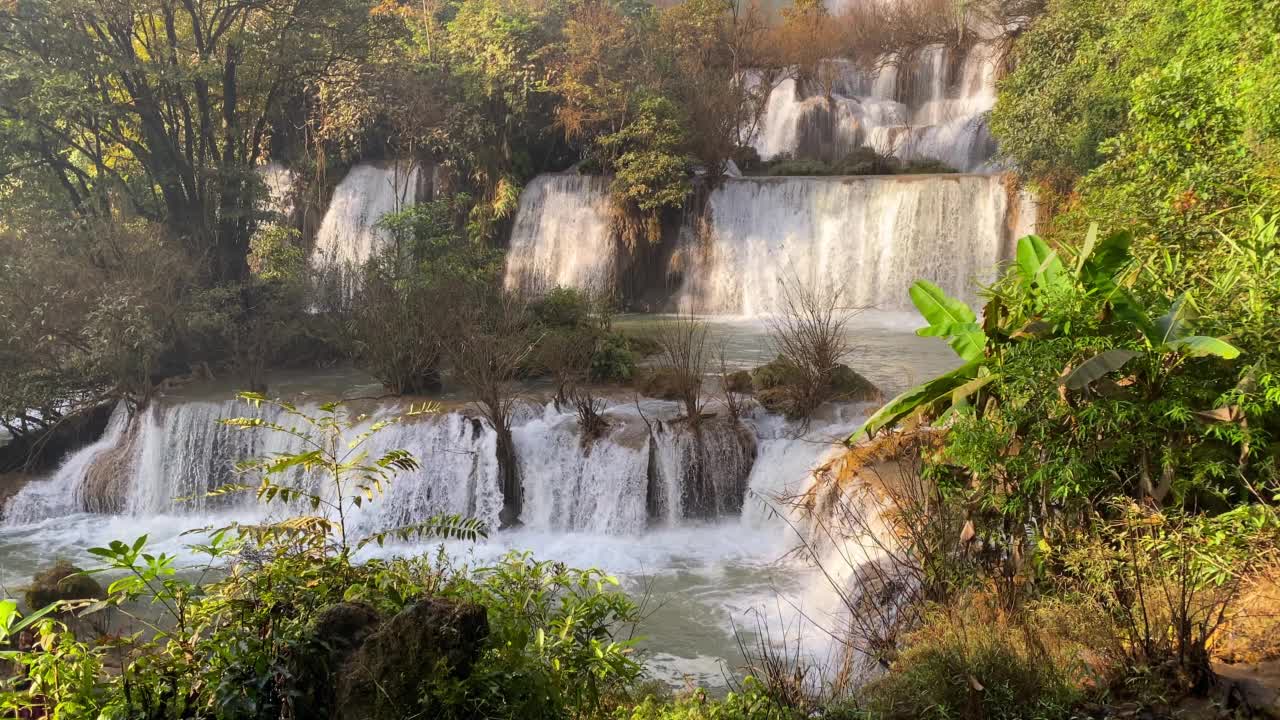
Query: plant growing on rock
x=683 y=362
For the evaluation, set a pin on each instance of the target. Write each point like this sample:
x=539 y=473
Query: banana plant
x=1170 y=334
x=1099 y=270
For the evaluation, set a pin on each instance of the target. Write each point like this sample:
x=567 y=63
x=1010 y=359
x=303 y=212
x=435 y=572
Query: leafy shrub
x=642 y=344
x=651 y=170
x=924 y=166
x=559 y=644
x=563 y=307
x=612 y=359
x=409 y=294
x=866 y=161
x=789 y=166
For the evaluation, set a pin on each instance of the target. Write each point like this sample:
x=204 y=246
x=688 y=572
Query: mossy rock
x=775 y=373
x=661 y=383
x=643 y=345
x=392 y=674
x=849 y=386
x=64 y=582
x=336 y=633
x=779 y=388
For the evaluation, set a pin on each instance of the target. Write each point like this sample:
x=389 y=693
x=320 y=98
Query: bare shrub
x=684 y=358
x=566 y=355
x=730 y=386
x=590 y=410
x=1170 y=582
x=810 y=335
x=396 y=327
x=971 y=660
x=886 y=541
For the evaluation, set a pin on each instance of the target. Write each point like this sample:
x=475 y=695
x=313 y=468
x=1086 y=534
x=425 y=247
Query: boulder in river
x=63 y=581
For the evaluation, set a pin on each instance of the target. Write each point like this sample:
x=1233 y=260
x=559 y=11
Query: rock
x=388 y=678
x=780 y=389
x=775 y=373
x=63 y=581
x=849 y=386
x=337 y=632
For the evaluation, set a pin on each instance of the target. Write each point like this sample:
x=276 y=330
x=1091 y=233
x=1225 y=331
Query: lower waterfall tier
x=647 y=471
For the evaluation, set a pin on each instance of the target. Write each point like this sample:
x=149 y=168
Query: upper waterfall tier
x=870 y=237
x=561 y=235
x=932 y=105
x=349 y=234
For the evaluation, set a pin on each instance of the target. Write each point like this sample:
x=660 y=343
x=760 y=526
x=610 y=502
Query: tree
x=404 y=309
x=86 y=316
x=707 y=47
x=166 y=103
x=490 y=341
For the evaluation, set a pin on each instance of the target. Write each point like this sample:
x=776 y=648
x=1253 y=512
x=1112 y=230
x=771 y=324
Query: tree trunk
x=508 y=478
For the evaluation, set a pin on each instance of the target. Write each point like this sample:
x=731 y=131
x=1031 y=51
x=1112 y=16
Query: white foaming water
x=598 y=486
x=348 y=235
x=561 y=235
x=280 y=182
x=906 y=108
x=50 y=498
x=870 y=236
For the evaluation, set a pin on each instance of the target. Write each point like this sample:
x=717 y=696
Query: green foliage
x=560 y=641
x=275 y=253
x=563 y=307
x=1079 y=392
x=1156 y=114
x=861 y=161
x=349 y=476
x=749 y=702
x=612 y=360
x=409 y=295
x=651 y=170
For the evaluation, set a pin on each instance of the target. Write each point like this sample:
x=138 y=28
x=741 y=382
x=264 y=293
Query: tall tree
x=165 y=103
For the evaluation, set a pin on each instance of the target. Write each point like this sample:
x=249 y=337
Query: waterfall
x=561 y=235
x=348 y=235
x=58 y=494
x=909 y=108
x=167 y=459
x=569 y=485
x=280 y=200
x=870 y=236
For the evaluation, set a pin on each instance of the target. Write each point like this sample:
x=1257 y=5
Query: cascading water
x=870 y=236
x=280 y=182
x=168 y=459
x=349 y=234
x=903 y=107
x=561 y=235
